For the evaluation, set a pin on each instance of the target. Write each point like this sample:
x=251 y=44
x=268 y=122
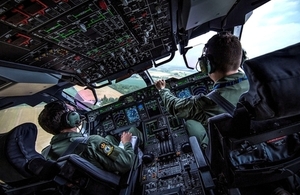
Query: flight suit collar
x=239 y=76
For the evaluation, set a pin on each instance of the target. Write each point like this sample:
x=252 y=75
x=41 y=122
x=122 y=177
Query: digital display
x=140 y=107
x=108 y=125
x=200 y=89
x=151 y=126
x=142 y=111
x=152 y=108
x=120 y=118
x=174 y=122
x=183 y=93
x=132 y=114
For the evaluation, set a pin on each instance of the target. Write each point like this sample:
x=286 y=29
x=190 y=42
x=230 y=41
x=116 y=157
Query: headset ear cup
x=244 y=58
x=73 y=119
x=205 y=65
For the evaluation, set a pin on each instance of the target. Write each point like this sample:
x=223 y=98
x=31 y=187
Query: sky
x=274 y=25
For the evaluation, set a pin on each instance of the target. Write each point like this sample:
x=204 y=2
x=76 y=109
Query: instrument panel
x=136 y=107
x=169 y=165
x=92 y=41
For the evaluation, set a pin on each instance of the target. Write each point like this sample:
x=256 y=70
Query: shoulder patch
x=106 y=148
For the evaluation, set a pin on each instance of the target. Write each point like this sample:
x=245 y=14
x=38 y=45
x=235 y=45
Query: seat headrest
x=274 y=79
x=17 y=148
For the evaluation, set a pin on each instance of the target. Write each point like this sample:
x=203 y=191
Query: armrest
x=203 y=167
x=44 y=169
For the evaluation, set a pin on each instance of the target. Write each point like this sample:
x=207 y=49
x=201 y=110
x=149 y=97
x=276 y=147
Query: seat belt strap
x=74 y=144
x=221 y=101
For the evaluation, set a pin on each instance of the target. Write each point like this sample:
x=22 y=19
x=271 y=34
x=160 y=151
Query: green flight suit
x=102 y=152
x=199 y=108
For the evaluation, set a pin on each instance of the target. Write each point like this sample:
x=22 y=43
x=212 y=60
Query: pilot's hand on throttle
x=160 y=84
x=126 y=137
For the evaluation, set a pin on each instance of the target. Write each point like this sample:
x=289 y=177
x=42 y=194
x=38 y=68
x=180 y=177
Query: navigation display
x=200 y=89
x=132 y=114
x=120 y=118
x=183 y=93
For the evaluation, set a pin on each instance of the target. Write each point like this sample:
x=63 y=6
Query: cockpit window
x=272 y=26
x=105 y=95
x=177 y=67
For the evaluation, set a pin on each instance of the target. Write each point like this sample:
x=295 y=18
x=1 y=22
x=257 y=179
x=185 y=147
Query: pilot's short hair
x=50 y=117
x=226 y=50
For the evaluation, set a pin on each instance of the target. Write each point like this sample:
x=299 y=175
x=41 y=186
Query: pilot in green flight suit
x=61 y=120
x=221 y=60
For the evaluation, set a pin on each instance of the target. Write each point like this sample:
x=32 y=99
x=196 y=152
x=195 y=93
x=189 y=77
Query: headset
x=206 y=62
x=69 y=118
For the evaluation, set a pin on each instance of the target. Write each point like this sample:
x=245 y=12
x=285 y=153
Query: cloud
x=272 y=26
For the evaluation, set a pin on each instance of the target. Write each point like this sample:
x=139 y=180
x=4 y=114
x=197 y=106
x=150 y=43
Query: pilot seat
x=256 y=149
x=25 y=171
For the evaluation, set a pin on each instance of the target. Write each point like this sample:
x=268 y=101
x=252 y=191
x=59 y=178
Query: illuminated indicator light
x=24 y=21
x=42 y=11
x=95 y=20
x=69 y=33
x=82 y=13
x=103 y=5
x=21 y=6
x=19 y=39
x=3 y=17
x=53 y=28
x=144 y=14
x=132 y=19
x=77 y=58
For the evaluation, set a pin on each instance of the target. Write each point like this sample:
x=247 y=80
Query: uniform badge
x=107 y=149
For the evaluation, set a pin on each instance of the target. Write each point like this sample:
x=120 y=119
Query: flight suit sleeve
x=104 y=154
x=181 y=107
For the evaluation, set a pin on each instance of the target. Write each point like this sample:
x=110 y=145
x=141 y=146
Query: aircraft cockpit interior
x=103 y=57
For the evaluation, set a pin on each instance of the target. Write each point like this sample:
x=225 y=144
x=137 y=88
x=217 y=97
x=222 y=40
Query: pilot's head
x=222 y=53
x=58 y=116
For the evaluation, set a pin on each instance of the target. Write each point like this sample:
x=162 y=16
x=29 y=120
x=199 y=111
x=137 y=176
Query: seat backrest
x=17 y=148
x=78 y=170
x=90 y=169
x=273 y=80
x=263 y=131
x=273 y=95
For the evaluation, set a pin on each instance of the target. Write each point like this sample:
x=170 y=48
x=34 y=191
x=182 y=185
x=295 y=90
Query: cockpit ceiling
x=93 y=41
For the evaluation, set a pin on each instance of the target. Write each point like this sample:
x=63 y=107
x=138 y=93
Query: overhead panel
x=93 y=40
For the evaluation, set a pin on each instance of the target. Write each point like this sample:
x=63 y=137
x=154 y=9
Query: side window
x=272 y=26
